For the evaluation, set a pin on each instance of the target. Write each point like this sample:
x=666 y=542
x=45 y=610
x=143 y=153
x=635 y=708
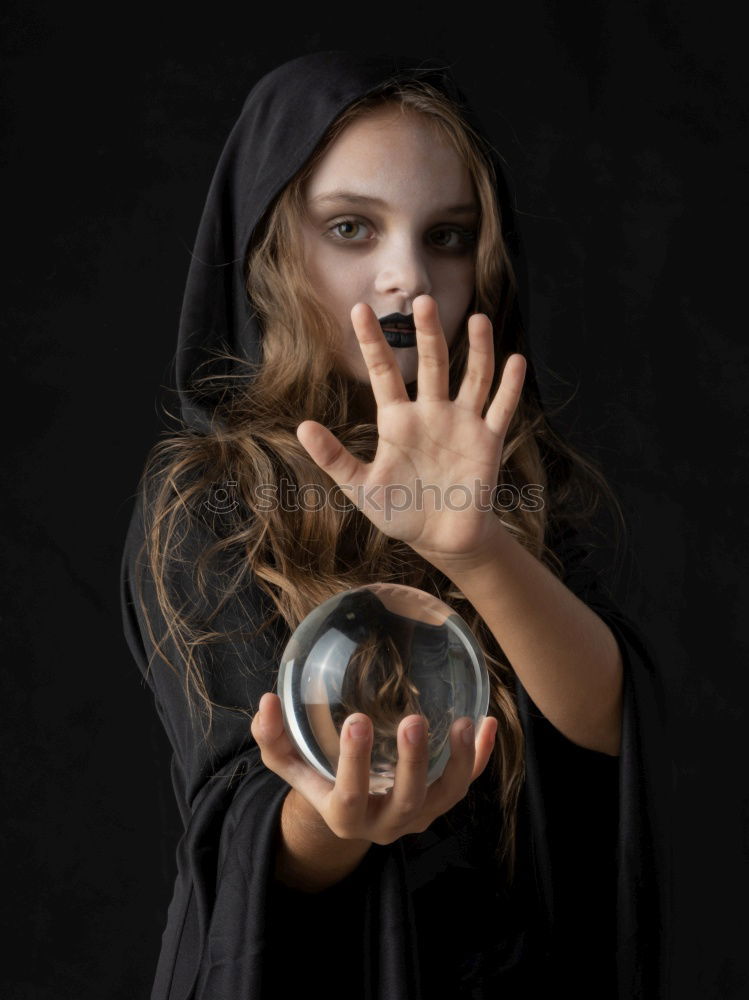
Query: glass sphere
x=388 y=651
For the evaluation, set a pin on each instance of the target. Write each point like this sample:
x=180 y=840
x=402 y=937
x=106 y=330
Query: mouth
x=399 y=329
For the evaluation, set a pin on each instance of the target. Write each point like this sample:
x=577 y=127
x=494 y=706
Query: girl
x=353 y=324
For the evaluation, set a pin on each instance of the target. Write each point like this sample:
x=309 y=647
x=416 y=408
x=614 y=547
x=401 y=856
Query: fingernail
x=414 y=733
x=358 y=730
x=467 y=734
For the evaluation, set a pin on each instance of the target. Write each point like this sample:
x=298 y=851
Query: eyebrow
x=467 y=208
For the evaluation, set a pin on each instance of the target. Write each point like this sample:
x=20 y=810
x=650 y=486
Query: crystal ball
x=389 y=651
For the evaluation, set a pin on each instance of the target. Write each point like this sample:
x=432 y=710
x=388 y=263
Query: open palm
x=437 y=461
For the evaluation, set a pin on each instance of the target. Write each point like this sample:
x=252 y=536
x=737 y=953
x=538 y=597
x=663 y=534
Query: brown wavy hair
x=298 y=557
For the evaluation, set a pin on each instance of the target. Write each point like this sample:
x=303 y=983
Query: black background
x=624 y=129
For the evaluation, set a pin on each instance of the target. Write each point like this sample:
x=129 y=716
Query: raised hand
x=437 y=461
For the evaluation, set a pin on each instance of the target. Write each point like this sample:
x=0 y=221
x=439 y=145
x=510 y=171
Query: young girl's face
x=408 y=232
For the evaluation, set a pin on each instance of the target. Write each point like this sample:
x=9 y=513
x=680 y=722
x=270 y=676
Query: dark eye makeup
x=467 y=236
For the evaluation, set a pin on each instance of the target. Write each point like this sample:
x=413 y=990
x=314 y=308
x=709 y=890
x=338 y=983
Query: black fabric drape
x=426 y=916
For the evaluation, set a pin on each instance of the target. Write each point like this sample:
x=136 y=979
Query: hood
x=282 y=120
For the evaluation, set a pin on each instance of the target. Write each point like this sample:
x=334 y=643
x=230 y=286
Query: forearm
x=310 y=857
x=565 y=656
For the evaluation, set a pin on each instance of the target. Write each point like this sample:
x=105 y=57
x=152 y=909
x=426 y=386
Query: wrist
x=310 y=856
x=303 y=815
x=462 y=566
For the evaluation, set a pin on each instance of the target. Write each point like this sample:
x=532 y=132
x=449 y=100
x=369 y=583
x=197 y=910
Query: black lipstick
x=399 y=329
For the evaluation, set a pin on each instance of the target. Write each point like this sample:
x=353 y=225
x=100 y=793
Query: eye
x=463 y=239
x=340 y=238
x=466 y=238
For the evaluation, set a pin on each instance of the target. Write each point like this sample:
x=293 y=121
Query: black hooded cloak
x=425 y=917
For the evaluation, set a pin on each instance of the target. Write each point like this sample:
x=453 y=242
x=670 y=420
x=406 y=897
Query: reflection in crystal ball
x=388 y=651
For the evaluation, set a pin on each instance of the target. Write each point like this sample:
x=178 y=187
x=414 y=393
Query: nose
x=403 y=270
